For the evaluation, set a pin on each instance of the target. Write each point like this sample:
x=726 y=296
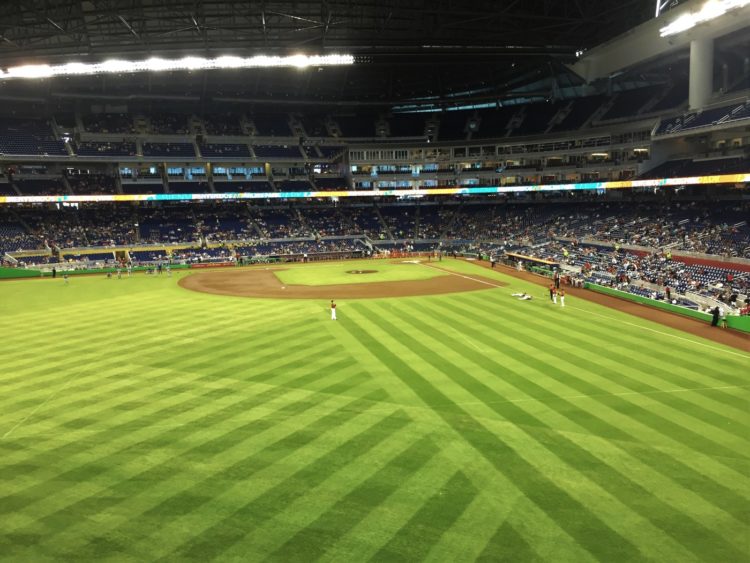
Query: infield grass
x=142 y=422
x=335 y=273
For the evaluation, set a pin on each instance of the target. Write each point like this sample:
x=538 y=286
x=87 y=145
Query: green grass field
x=140 y=422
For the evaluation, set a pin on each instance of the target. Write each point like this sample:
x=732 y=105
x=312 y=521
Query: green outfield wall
x=10 y=273
x=737 y=323
x=17 y=273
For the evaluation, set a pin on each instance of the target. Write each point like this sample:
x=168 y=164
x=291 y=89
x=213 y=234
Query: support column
x=701 y=72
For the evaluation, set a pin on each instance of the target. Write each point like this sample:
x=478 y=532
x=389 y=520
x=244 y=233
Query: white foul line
x=39 y=406
x=606 y=317
x=460 y=275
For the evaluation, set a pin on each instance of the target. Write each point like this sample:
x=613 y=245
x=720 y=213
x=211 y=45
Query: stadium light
x=709 y=11
x=156 y=64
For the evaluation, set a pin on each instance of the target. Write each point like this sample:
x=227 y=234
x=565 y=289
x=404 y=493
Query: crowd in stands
x=169 y=149
x=109 y=123
x=223 y=124
x=718 y=228
x=626 y=245
x=225 y=149
x=92 y=184
x=105 y=148
x=169 y=124
x=278 y=222
x=656 y=275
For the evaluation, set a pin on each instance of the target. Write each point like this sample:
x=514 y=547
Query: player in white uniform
x=333 y=310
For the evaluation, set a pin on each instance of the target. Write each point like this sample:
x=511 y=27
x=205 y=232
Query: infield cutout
x=264 y=284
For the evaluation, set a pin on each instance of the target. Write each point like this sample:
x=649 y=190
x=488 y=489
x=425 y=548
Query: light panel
x=156 y=64
x=709 y=11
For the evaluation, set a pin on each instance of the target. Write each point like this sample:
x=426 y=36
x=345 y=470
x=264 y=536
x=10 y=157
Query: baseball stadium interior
x=468 y=112
x=606 y=142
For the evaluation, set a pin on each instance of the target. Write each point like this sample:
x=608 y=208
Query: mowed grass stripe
x=235 y=451
x=415 y=539
x=233 y=527
x=661 y=344
x=85 y=335
x=678 y=424
x=320 y=515
x=563 y=451
x=460 y=453
x=134 y=346
x=86 y=393
x=676 y=369
x=196 y=415
x=543 y=390
x=602 y=317
x=587 y=528
x=651 y=375
x=712 y=352
x=579 y=418
x=621 y=427
x=169 y=448
x=273 y=472
x=30 y=396
x=372 y=525
x=579 y=379
x=508 y=544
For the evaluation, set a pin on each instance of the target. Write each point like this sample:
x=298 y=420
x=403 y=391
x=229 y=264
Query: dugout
x=532 y=264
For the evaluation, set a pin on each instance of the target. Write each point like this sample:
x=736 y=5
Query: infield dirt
x=263 y=283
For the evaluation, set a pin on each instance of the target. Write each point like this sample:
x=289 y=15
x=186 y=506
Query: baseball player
x=333 y=310
x=562 y=297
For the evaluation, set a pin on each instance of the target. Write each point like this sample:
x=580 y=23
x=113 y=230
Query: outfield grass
x=338 y=272
x=140 y=421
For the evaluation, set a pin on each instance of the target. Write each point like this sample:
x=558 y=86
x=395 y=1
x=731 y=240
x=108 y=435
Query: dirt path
x=733 y=338
x=263 y=283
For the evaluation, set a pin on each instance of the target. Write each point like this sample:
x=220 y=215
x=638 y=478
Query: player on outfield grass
x=333 y=310
x=522 y=296
x=562 y=297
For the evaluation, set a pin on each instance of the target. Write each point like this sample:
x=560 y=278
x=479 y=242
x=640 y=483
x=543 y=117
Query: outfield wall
x=12 y=273
x=735 y=322
x=18 y=273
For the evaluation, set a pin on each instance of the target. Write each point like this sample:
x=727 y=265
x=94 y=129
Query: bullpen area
x=224 y=415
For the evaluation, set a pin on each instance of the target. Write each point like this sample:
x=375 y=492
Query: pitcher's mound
x=263 y=283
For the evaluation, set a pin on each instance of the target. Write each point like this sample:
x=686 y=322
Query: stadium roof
x=449 y=50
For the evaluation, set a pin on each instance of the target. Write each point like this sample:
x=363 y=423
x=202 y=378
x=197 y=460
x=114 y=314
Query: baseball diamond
x=199 y=425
